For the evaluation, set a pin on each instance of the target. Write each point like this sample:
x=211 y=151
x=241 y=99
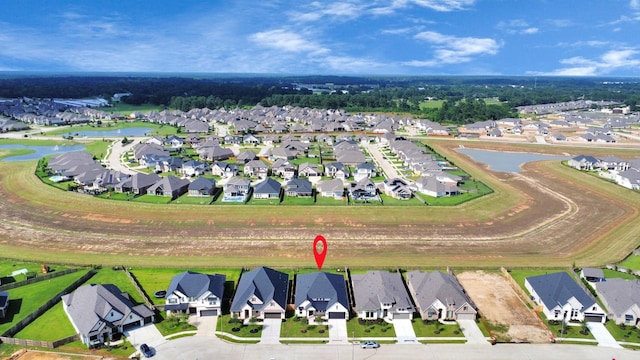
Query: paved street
x=388 y=168
x=209 y=347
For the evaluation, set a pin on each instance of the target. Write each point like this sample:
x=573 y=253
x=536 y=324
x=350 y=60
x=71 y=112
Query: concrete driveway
x=338 y=331
x=404 y=331
x=271 y=331
x=602 y=335
x=147 y=334
x=472 y=332
x=206 y=324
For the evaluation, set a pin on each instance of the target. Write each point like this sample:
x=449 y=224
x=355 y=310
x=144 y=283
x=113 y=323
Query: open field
x=548 y=215
x=500 y=305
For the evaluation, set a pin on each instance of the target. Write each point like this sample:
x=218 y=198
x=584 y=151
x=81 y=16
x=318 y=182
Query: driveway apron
x=271 y=331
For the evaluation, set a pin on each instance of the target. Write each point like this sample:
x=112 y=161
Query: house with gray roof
x=261 y=293
x=202 y=187
x=381 y=295
x=337 y=170
x=308 y=169
x=194 y=168
x=137 y=184
x=169 y=186
x=561 y=298
x=297 y=187
x=267 y=189
x=583 y=162
x=622 y=298
x=439 y=296
x=224 y=170
x=629 y=179
x=331 y=188
x=321 y=294
x=98 y=312
x=214 y=153
x=195 y=293
x=236 y=189
x=592 y=275
x=256 y=168
x=4 y=304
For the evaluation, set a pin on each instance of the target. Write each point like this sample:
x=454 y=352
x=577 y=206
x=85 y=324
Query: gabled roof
x=431 y=286
x=330 y=185
x=376 y=287
x=298 y=185
x=89 y=305
x=264 y=283
x=268 y=186
x=620 y=294
x=169 y=184
x=193 y=284
x=322 y=289
x=202 y=183
x=585 y=158
x=558 y=288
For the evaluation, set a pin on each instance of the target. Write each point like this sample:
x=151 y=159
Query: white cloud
x=517 y=26
x=608 y=62
x=561 y=23
x=339 y=11
x=635 y=4
x=454 y=50
x=437 y=5
x=288 y=41
x=590 y=43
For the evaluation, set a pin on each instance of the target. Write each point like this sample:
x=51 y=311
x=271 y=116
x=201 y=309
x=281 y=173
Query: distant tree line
x=463 y=97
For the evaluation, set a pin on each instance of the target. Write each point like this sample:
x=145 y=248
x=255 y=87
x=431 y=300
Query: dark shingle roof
x=193 y=284
x=558 y=288
x=321 y=289
x=266 y=284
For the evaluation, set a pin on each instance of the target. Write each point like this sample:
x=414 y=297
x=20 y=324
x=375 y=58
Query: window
x=556 y=313
x=628 y=319
x=173 y=301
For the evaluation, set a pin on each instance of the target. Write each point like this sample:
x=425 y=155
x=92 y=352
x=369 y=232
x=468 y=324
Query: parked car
x=146 y=351
x=369 y=345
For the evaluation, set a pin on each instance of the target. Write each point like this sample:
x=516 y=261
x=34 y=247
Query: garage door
x=276 y=315
x=337 y=315
x=209 y=313
x=466 y=316
x=402 y=316
x=593 y=318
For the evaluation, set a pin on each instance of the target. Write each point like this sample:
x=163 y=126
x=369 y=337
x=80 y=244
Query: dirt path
x=499 y=304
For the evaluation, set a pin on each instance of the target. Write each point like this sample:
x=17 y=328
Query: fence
x=38 y=343
x=36 y=279
x=48 y=305
x=144 y=296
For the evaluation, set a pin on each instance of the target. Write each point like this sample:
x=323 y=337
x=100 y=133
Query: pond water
x=39 y=151
x=110 y=133
x=506 y=161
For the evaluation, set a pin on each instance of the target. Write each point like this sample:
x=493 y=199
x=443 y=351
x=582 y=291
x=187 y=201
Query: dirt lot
x=499 y=304
x=40 y=355
x=547 y=215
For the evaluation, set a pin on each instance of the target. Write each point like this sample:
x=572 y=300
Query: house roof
x=169 y=184
x=431 y=286
x=322 y=289
x=376 y=287
x=264 y=283
x=89 y=305
x=193 y=284
x=558 y=288
x=593 y=272
x=268 y=186
x=620 y=294
x=331 y=185
x=202 y=183
x=298 y=185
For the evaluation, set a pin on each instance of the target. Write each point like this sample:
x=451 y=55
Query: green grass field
x=193 y=200
x=118 y=278
x=435 y=329
x=43 y=329
x=608 y=274
x=26 y=299
x=631 y=262
x=623 y=332
x=245 y=331
x=298 y=327
x=7 y=266
x=369 y=329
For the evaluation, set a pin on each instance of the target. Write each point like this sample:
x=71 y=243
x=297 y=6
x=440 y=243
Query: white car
x=369 y=345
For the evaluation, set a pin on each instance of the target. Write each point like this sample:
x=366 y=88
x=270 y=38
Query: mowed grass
x=631 y=262
x=435 y=329
x=51 y=326
x=298 y=327
x=609 y=274
x=152 y=280
x=118 y=278
x=7 y=266
x=26 y=299
x=244 y=331
x=369 y=329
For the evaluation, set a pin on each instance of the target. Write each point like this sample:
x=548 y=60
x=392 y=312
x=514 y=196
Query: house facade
x=622 y=298
x=321 y=294
x=262 y=294
x=439 y=296
x=381 y=295
x=561 y=298
x=195 y=293
x=98 y=312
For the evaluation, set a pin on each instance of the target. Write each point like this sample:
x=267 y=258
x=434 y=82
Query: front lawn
x=570 y=331
x=609 y=274
x=435 y=329
x=298 y=327
x=26 y=299
x=235 y=327
x=173 y=324
x=623 y=332
x=370 y=328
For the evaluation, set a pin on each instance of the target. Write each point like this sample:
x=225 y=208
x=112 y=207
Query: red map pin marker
x=319 y=255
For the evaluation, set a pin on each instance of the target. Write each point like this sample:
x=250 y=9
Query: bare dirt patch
x=43 y=355
x=499 y=304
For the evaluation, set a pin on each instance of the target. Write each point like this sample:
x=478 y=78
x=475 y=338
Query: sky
x=326 y=37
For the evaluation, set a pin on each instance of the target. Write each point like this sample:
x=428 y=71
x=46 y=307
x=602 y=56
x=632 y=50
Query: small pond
x=39 y=151
x=506 y=161
x=136 y=131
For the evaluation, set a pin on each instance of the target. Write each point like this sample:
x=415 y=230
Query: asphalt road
x=209 y=347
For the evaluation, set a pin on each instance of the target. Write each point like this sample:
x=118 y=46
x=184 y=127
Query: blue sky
x=387 y=37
